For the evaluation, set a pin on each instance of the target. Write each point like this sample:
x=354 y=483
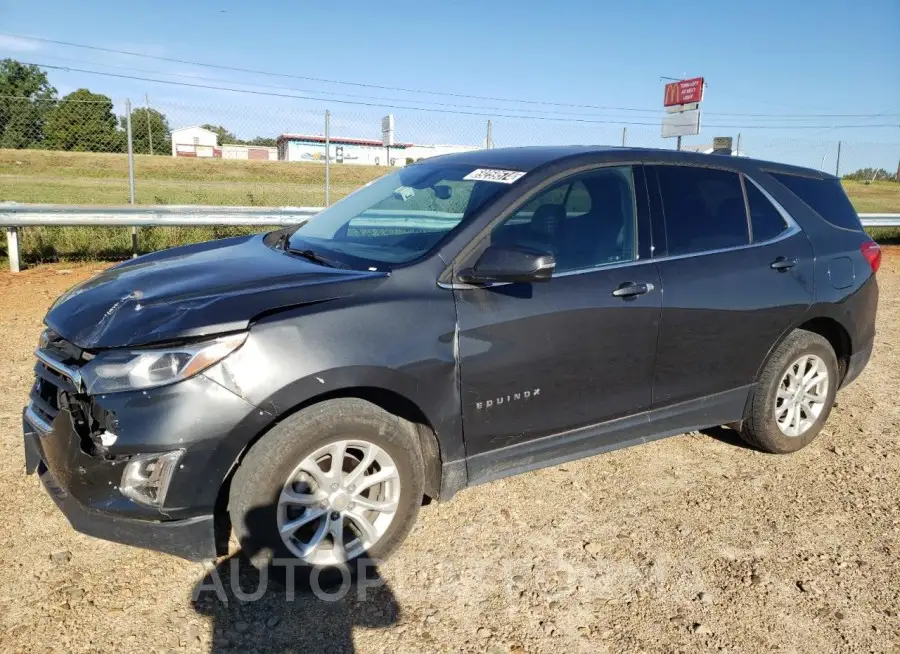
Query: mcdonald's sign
x=686 y=91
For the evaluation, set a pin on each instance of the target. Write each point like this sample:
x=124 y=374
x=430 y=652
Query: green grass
x=37 y=176
x=88 y=178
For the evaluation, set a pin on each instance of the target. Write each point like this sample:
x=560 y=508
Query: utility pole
x=489 y=140
x=327 y=158
x=624 y=135
x=678 y=144
x=837 y=165
x=149 y=130
x=134 y=250
x=737 y=152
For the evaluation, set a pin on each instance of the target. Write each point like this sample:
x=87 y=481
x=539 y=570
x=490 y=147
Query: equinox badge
x=506 y=399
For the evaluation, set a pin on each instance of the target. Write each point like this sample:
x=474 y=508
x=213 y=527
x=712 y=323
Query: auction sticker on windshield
x=494 y=175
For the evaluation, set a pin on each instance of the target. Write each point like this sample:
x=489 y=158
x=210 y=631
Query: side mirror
x=511 y=264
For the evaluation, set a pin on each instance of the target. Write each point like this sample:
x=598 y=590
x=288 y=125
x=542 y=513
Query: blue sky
x=785 y=59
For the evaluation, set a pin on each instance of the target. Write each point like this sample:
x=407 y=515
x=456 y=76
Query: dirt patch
x=693 y=543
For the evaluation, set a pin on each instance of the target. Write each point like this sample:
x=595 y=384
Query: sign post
x=682 y=103
x=387 y=135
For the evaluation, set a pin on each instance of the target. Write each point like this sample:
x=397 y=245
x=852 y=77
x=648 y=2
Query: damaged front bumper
x=210 y=423
x=189 y=538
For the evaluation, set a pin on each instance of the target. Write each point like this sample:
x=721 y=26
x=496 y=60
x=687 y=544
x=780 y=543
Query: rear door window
x=766 y=220
x=704 y=209
x=824 y=196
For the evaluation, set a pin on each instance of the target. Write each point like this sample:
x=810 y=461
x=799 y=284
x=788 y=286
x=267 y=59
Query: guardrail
x=14 y=215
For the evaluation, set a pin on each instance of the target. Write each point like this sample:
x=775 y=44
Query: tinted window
x=704 y=209
x=586 y=220
x=767 y=222
x=825 y=196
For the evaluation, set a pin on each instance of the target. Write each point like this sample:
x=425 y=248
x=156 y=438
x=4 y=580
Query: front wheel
x=794 y=394
x=336 y=482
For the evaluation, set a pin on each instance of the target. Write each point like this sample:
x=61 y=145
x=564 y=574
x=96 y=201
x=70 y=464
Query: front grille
x=56 y=375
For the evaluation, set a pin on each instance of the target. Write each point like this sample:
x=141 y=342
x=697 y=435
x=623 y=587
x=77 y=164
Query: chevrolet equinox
x=465 y=318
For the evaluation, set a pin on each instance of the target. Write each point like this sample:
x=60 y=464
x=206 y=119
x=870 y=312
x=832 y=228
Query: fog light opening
x=146 y=477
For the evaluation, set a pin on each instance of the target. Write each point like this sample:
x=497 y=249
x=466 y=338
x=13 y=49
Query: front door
x=540 y=358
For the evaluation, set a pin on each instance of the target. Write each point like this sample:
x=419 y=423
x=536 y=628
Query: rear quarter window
x=824 y=196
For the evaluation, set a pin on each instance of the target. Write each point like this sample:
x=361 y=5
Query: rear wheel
x=794 y=394
x=334 y=483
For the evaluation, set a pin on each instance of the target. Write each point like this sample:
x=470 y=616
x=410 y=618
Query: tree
x=223 y=134
x=22 y=120
x=84 y=122
x=147 y=124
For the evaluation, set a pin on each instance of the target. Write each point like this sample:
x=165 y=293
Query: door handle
x=781 y=264
x=631 y=289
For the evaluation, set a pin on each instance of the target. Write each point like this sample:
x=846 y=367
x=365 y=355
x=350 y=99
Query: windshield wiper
x=312 y=256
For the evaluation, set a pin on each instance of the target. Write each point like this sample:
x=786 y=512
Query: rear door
x=737 y=272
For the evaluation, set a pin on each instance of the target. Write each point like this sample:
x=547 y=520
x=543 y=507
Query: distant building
x=249 y=152
x=417 y=152
x=366 y=152
x=707 y=148
x=195 y=142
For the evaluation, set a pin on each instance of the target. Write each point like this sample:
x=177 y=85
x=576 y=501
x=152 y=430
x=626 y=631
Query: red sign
x=685 y=91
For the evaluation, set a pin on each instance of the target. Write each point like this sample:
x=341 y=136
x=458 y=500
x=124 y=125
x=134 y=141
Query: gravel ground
x=693 y=543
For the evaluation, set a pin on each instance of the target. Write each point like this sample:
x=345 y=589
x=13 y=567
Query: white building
x=365 y=152
x=249 y=152
x=417 y=152
x=195 y=142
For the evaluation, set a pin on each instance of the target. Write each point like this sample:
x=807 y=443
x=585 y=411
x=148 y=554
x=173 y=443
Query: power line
x=330 y=93
x=50 y=100
x=312 y=79
x=655 y=112
x=425 y=109
x=402 y=89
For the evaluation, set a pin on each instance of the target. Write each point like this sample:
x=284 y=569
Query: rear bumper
x=858 y=361
x=190 y=538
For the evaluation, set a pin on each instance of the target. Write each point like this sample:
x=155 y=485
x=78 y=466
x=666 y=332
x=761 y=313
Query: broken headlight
x=114 y=371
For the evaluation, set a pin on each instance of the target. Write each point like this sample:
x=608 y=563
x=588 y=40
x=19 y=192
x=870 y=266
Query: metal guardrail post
x=12 y=248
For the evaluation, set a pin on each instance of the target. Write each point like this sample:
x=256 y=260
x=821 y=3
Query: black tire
x=760 y=428
x=258 y=481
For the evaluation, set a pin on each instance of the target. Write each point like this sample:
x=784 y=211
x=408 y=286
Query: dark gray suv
x=465 y=318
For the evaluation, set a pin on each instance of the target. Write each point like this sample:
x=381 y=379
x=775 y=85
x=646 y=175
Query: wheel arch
x=828 y=327
x=388 y=399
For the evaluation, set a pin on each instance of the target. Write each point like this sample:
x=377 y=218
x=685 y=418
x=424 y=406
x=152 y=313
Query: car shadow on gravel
x=266 y=609
x=727 y=436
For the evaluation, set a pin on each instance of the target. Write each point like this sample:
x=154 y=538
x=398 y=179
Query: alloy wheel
x=801 y=395
x=338 y=502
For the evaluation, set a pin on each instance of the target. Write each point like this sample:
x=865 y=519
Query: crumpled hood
x=195 y=290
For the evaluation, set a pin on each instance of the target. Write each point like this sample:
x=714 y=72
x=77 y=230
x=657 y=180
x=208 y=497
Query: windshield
x=396 y=218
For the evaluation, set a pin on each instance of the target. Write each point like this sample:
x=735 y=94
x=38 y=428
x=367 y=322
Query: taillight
x=872 y=253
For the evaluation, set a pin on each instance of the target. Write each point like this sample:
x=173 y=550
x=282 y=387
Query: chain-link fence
x=279 y=153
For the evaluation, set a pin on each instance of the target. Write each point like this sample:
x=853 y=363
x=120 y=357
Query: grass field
x=89 y=178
